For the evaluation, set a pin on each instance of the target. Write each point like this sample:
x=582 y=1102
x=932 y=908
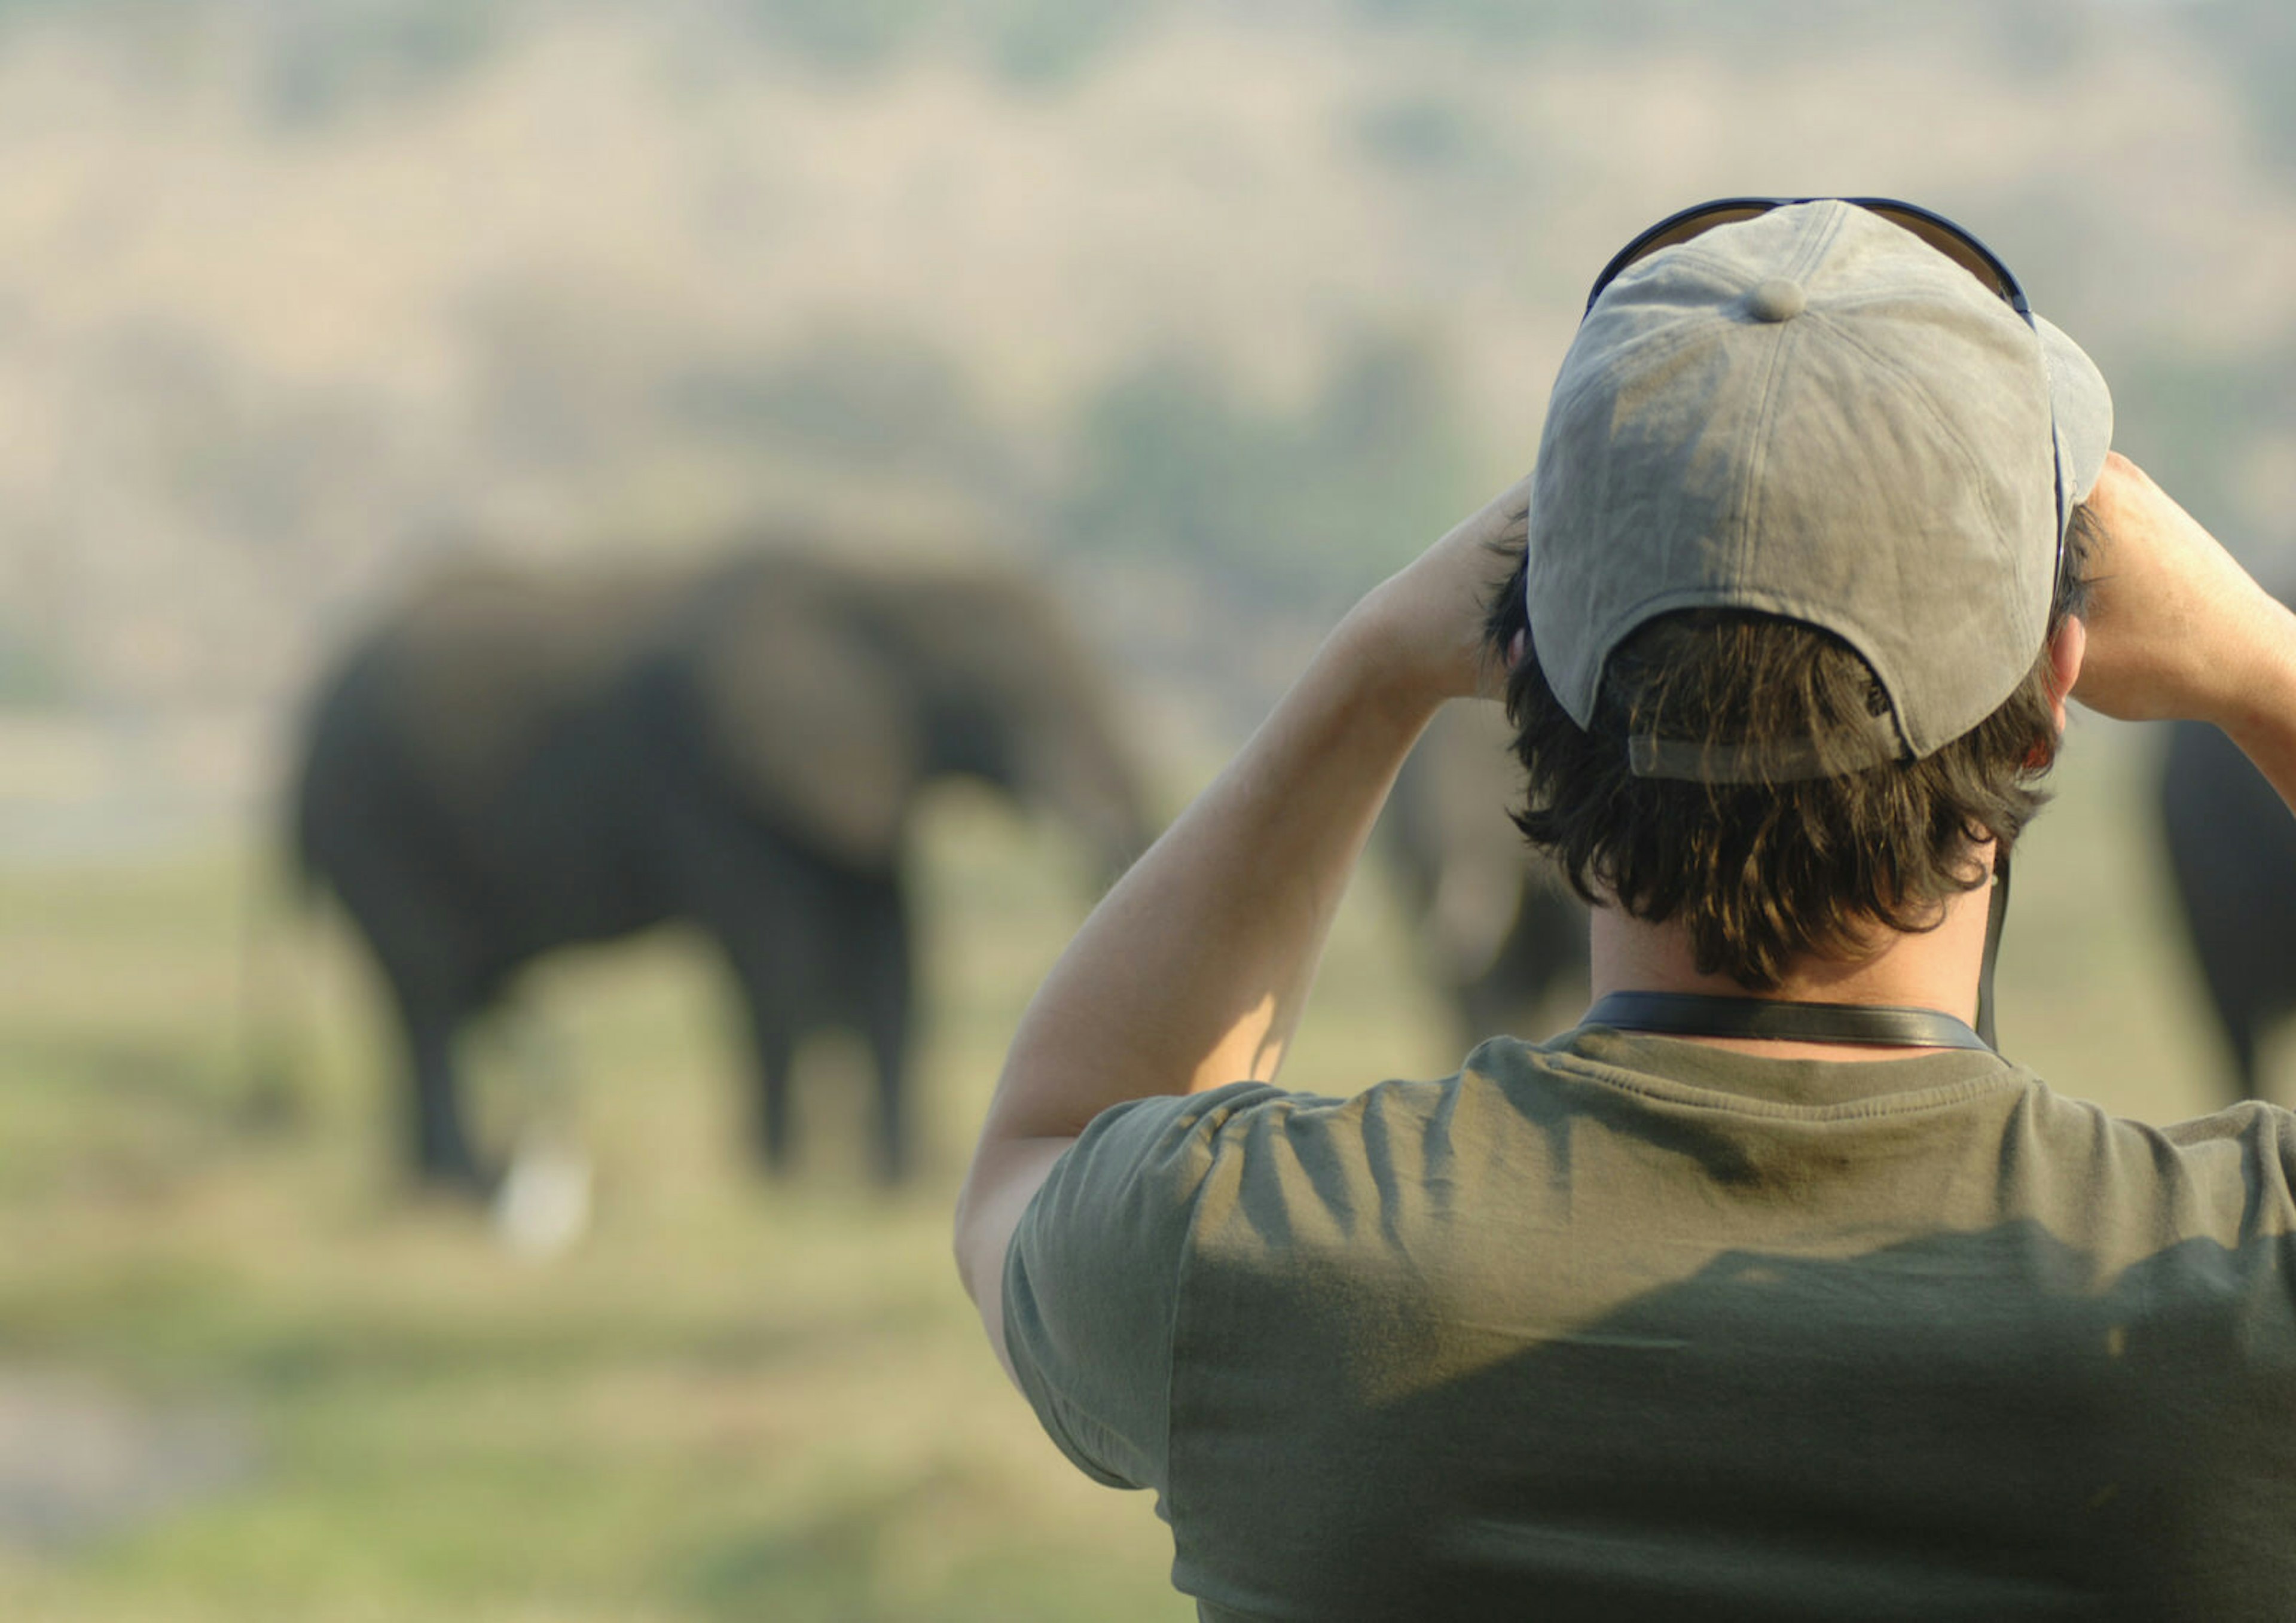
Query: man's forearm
x=2263 y=721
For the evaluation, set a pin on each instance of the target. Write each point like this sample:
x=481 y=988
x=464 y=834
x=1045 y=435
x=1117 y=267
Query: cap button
x=1776 y=300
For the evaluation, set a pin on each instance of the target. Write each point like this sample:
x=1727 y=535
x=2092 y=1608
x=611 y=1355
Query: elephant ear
x=816 y=735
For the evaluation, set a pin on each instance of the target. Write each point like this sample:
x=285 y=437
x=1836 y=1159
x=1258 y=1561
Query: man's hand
x=1424 y=626
x=2177 y=628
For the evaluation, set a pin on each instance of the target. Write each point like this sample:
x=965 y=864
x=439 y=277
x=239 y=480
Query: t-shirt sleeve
x=1092 y=1278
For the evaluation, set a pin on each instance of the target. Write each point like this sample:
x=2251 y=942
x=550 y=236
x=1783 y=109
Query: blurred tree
x=2194 y=421
x=1626 y=21
x=862 y=401
x=840 y=33
x=2037 y=35
x=30 y=677
x=330 y=56
x=1420 y=134
x=1305 y=508
x=2256 y=40
x=1044 y=41
x=864 y=398
x=325 y=58
x=1025 y=41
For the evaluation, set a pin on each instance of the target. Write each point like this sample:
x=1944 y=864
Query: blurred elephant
x=514 y=762
x=1500 y=932
x=2232 y=853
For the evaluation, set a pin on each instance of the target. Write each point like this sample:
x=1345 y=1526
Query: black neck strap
x=1689 y=1014
x=1996 y=914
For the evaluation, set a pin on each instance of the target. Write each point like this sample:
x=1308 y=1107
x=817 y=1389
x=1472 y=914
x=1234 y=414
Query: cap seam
x=1748 y=505
x=1963 y=450
x=1675 y=334
x=1680 y=253
x=1680 y=333
x=1973 y=469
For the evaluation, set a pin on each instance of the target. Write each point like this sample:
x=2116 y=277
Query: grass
x=734 y=1400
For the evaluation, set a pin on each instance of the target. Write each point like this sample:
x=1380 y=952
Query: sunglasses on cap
x=1930 y=226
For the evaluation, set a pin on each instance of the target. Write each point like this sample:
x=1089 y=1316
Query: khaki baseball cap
x=1813 y=414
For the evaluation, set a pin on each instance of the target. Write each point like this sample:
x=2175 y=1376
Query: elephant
x=1499 y=929
x=2232 y=856
x=516 y=762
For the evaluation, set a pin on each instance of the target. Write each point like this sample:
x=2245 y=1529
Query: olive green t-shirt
x=1634 y=1327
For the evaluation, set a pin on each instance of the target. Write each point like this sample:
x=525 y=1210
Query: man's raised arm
x=1193 y=971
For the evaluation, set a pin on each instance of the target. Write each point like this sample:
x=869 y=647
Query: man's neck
x=1934 y=969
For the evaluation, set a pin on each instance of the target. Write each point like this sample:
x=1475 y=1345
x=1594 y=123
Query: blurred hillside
x=1219 y=309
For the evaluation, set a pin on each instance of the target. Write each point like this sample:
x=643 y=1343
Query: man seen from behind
x=1770 y=1290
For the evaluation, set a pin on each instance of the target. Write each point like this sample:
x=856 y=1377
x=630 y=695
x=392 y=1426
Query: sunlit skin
x=1192 y=971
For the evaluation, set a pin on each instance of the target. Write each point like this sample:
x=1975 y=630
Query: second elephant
x=1499 y=929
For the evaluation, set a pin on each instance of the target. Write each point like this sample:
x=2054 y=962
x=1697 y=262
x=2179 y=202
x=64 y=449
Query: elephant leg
x=429 y=950
x=773 y=1041
x=887 y=984
x=2241 y=1010
x=441 y=1141
x=776 y=1058
x=2240 y=1032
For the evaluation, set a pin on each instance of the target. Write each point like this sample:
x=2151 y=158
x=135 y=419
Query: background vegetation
x=242 y=1376
x=1211 y=312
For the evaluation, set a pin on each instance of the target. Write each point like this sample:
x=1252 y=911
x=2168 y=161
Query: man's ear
x=2065 y=651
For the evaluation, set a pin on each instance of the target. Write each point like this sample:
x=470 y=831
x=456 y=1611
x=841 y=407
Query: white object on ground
x=543 y=1208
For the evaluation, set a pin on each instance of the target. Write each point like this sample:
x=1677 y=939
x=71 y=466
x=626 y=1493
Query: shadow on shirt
x=1963 y=1425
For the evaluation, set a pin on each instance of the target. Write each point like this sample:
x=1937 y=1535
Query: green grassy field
x=730 y=1400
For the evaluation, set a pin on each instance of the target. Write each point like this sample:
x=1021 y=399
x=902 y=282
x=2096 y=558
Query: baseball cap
x=1816 y=414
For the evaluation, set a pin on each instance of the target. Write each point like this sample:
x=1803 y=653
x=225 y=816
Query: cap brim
x=2083 y=406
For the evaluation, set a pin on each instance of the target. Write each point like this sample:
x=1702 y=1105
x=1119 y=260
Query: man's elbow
x=962 y=1224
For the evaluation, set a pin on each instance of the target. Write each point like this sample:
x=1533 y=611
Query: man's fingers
x=1508 y=510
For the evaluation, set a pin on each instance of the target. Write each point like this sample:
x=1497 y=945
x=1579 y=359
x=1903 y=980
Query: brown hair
x=1761 y=875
